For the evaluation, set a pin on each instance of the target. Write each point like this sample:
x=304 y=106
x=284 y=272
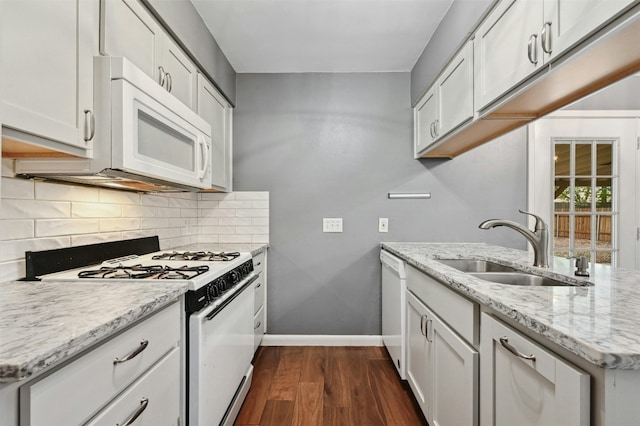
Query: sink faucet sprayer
x=538 y=238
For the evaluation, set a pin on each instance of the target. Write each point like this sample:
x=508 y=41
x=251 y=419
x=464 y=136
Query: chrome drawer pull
x=144 y=402
x=545 y=35
x=142 y=347
x=89 y=125
x=532 y=50
x=257 y=325
x=504 y=341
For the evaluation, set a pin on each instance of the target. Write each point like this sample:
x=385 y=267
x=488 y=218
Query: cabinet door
x=507 y=47
x=216 y=110
x=155 y=397
x=419 y=372
x=455 y=92
x=47 y=68
x=181 y=75
x=455 y=377
x=524 y=384
x=128 y=30
x=566 y=22
x=425 y=116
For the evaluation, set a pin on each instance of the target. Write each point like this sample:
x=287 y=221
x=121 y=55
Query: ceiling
x=296 y=36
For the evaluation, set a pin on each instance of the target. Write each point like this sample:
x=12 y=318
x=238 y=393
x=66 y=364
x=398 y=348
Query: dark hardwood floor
x=315 y=385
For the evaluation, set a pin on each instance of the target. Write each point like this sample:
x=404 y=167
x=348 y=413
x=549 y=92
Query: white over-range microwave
x=145 y=140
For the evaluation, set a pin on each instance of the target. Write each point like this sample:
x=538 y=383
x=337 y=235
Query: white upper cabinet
x=47 y=70
x=455 y=92
x=448 y=103
x=129 y=30
x=425 y=117
x=214 y=108
x=567 y=22
x=181 y=74
x=507 y=48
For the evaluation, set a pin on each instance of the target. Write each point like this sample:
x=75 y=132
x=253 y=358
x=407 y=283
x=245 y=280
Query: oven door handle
x=240 y=289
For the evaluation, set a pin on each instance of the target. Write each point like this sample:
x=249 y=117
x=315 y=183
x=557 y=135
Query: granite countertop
x=598 y=323
x=43 y=323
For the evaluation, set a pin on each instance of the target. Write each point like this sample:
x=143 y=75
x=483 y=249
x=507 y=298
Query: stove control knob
x=234 y=277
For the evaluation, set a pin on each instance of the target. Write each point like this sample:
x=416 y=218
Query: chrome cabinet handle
x=259 y=263
x=545 y=37
x=169 y=82
x=258 y=286
x=504 y=341
x=431 y=129
x=135 y=353
x=89 y=125
x=144 y=402
x=162 y=76
x=257 y=325
x=422 y=318
x=532 y=51
x=426 y=330
x=435 y=127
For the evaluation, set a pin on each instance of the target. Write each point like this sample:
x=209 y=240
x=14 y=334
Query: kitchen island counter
x=44 y=323
x=598 y=323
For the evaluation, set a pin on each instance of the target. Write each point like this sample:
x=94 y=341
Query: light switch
x=383 y=224
x=332 y=224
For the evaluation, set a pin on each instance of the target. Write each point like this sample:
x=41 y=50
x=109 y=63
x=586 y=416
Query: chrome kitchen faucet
x=539 y=237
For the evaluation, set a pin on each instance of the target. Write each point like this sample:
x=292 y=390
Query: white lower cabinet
x=442 y=369
x=138 y=359
x=154 y=399
x=526 y=385
x=260 y=299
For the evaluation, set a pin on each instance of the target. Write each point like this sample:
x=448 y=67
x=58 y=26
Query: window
x=585 y=199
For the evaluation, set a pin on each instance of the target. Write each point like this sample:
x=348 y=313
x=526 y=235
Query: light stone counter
x=42 y=324
x=599 y=323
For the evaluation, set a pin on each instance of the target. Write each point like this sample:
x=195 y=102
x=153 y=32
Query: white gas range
x=219 y=325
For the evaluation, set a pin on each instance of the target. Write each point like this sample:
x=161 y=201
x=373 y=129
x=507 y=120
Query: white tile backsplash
x=42 y=215
x=56 y=227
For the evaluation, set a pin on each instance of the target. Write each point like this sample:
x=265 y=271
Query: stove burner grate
x=197 y=255
x=150 y=272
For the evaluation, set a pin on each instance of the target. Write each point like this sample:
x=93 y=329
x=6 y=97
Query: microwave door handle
x=204 y=148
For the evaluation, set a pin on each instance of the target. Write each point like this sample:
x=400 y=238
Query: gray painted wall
x=188 y=27
x=334 y=145
x=455 y=28
x=623 y=95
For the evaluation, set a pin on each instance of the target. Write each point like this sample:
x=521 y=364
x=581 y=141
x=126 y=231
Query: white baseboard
x=319 y=340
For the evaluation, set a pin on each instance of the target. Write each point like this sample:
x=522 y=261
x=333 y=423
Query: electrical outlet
x=332 y=224
x=383 y=224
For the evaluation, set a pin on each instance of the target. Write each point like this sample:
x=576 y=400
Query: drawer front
x=461 y=314
x=258 y=263
x=258 y=287
x=75 y=392
x=160 y=387
x=258 y=328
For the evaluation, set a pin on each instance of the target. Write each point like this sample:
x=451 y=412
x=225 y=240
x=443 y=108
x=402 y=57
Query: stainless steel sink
x=470 y=265
x=523 y=279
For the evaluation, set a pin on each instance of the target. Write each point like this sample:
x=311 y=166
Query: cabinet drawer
x=258 y=263
x=258 y=287
x=461 y=314
x=525 y=384
x=258 y=328
x=160 y=387
x=75 y=392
